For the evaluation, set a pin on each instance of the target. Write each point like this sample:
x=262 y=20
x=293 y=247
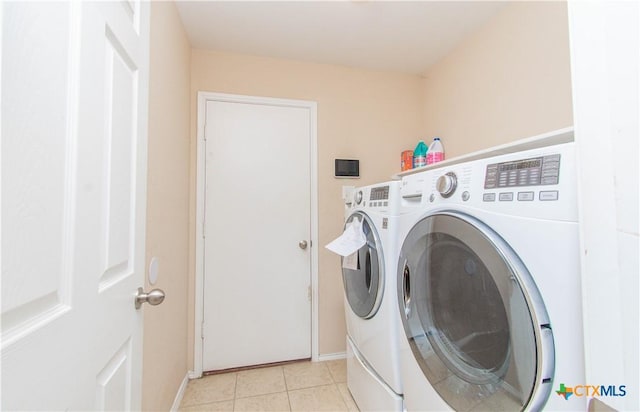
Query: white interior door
x=74 y=121
x=257 y=275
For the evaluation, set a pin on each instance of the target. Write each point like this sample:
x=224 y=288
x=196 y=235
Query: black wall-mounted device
x=347 y=168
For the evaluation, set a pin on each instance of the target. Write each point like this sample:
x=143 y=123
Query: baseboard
x=183 y=387
x=332 y=356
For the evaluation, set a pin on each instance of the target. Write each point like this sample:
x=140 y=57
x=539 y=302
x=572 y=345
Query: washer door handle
x=406 y=290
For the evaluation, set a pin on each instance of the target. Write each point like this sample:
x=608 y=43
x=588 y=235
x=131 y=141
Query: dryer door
x=363 y=287
x=473 y=316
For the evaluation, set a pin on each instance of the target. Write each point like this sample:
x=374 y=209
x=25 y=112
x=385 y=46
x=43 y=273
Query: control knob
x=446 y=184
x=358 y=197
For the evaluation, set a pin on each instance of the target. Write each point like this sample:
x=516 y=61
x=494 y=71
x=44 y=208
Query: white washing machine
x=371 y=307
x=489 y=287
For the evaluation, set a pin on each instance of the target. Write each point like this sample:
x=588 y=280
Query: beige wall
x=165 y=330
x=509 y=80
x=371 y=116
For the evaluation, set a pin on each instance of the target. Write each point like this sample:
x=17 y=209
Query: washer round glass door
x=473 y=316
x=363 y=286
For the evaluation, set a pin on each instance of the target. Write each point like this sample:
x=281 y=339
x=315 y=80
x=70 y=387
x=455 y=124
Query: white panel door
x=257 y=300
x=74 y=129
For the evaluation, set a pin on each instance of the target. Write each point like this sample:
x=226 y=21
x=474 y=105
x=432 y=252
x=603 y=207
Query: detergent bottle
x=420 y=155
x=436 y=152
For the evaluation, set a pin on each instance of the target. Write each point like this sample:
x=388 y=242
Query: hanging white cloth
x=352 y=239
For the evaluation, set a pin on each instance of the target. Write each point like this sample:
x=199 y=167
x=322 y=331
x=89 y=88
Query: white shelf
x=547 y=139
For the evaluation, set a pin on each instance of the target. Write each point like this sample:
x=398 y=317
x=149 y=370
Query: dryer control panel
x=544 y=170
x=538 y=183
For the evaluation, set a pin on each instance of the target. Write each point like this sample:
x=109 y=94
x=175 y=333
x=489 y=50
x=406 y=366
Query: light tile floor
x=300 y=386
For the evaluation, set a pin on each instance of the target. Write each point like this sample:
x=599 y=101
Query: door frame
x=203 y=98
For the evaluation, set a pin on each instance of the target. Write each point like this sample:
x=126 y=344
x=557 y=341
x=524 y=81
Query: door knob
x=153 y=298
x=303 y=244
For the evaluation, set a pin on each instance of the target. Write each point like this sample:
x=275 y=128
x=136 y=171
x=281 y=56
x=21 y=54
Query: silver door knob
x=153 y=298
x=303 y=244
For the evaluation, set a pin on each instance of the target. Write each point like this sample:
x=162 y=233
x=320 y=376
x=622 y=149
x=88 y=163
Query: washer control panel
x=533 y=171
x=379 y=196
x=539 y=183
x=544 y=170
x=371 y=197
x=379 y=193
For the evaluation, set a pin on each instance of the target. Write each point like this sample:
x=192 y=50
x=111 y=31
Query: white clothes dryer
x=373 y=370
x=489 y=290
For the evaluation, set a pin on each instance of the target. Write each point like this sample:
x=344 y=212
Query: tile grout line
x=235 y=391
x=266 y=393
x=335 y=384
x=289 y=401
x=214 y=401
x=344 y=401
x=286 y=385
x=325 y=366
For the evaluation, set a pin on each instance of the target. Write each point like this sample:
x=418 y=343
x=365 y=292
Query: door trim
x=203 y=98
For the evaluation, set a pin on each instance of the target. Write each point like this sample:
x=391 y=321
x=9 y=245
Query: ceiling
x=401 y=36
